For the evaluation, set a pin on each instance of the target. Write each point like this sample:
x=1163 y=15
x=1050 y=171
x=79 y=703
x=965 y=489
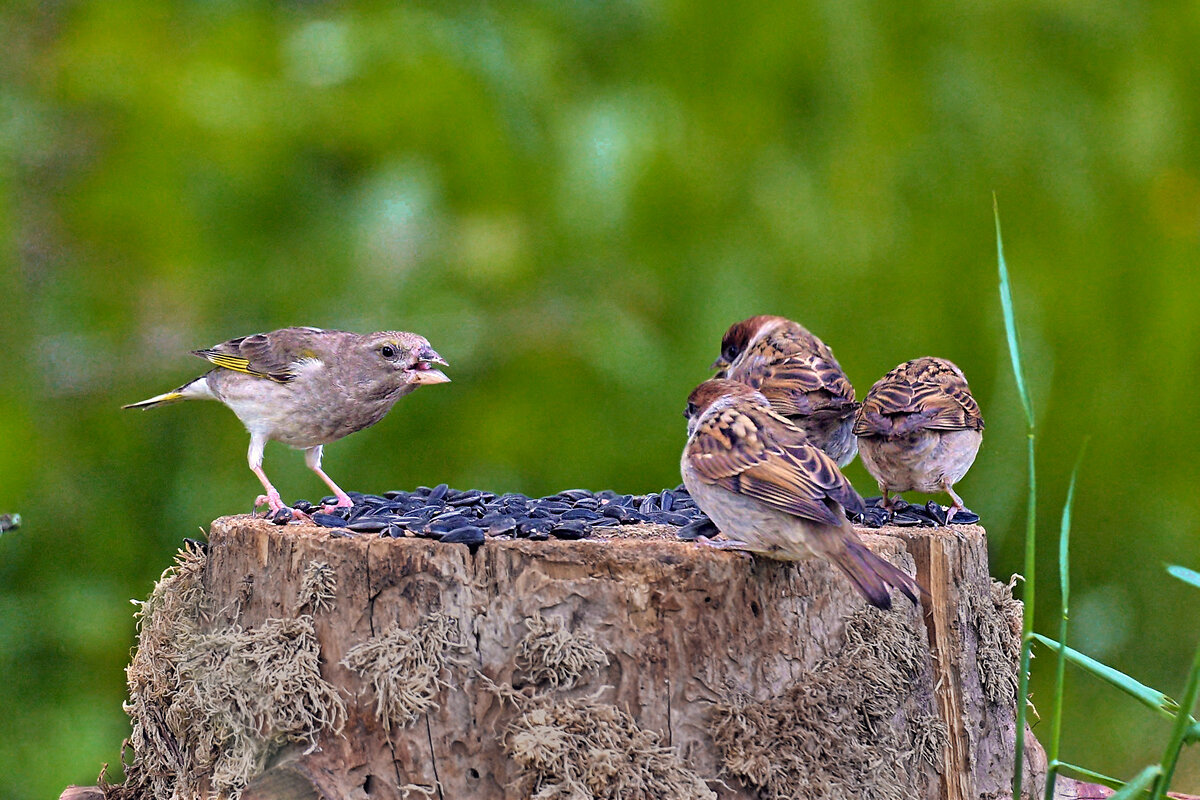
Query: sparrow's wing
x=264 y=355
x=925 y=395
x=754 y=452
x=796 y=371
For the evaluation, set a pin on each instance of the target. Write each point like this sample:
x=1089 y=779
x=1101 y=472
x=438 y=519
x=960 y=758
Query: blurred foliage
x=572 y=201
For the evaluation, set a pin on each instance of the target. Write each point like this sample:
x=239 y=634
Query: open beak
x=430 y=376
x=423 y=371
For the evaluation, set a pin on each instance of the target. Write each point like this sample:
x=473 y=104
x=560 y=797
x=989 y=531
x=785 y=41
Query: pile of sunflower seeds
x=469 y=516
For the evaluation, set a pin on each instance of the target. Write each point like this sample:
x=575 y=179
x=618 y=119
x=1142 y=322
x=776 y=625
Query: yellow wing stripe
x=238 y=364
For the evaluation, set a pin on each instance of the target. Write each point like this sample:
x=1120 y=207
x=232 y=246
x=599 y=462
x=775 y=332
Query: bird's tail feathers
x=193 y=390
x=874 y=577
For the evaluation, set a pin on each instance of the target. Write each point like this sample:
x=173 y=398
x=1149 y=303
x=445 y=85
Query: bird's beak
x=430 y=355
x=720 y=365
x=429 y=376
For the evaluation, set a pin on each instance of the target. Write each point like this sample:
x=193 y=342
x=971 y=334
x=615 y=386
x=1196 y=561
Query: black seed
x=437 y=493
x=281 y=517
x=393 y=531
x=328 y=520
x=699 y=527
x=649 y=504
x=369 y=524
x=469 y=498
x=571 y=529
x=619 y=513
x=667 y=518
x=468 y=535
x=936 y=511
x=580 y=513
x=539 y=513
x=666 y=500
x=540 y=536
x=965 y=516
x=589 y=503
x=608 y=496
x=605 y=522
x=409 y=521
x=302 y=505
x=899 y=504
x=574 y=495
x=873 y=502
x=533 y=527
x=553 y=507
x=501 y=526
x=449 y=522
x=396 y=495
x=196 y=545
x=908 y=519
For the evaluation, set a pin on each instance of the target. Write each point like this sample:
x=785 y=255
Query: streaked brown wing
x=754 y=452
x=796 y=371
x=264 y=355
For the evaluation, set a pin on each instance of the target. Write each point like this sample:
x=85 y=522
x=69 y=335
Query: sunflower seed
x=281 y=516
x=571 y=529
x=468 y=535
x=328 y=520
x=698 y=527
x=437 y=493
x=580 y=513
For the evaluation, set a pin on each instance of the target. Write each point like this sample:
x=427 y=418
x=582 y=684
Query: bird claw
x=271 y=500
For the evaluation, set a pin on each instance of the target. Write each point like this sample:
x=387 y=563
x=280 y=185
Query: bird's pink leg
x=958 y=503
x=312 y=457
x=255 y=457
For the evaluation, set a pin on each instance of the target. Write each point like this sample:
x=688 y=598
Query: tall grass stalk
x=1064 y=583
x=1027 y=594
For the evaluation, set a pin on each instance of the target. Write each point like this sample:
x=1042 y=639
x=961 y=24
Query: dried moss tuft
x=998 y=619
x=405 y=668
x=551 y=654
x=318 y=587
x=835 y=734
x=208 y=708
x=583 y=749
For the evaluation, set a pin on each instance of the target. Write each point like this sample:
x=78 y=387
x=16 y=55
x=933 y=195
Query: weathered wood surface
x=686 y=629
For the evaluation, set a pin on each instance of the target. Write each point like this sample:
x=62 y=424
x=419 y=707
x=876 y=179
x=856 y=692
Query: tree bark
x=570 y=668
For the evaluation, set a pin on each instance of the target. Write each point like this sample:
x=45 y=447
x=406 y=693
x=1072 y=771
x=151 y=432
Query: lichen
x=835 y=733
x=208 y=708
x=551 y=654
x=998 y=620
x=584 y=749
x=405 y=667
x=318 y=587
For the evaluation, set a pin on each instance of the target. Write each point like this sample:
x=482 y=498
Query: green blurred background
x=572 y=200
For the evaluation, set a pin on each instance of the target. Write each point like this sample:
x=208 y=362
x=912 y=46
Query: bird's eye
x=387 y=351
x=690 y=411
x=730 y=353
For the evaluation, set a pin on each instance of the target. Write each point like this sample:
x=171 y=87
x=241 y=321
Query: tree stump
x=292 y=663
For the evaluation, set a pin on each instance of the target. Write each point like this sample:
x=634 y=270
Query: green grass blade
x=1139 y=784
x=1094 y=777
x=1151 y=698
x=1014 y=352
x=1010 y=324
x=1027 y=593
x=1181 y=728
x=1064 y=582
x=1184 y=574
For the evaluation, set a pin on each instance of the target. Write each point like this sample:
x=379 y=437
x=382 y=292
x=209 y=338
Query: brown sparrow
x=771 y=491
x=919 y=429
x=798 y=374
x=307 y=387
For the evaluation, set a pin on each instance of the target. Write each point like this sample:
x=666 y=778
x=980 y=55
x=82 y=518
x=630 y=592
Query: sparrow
x=307 y=387
x=798 y=374
x=772 y=491
x=919 y=429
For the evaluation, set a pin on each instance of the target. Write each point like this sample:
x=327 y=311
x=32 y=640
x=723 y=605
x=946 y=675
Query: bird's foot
x=270 y=499
x=343 y=501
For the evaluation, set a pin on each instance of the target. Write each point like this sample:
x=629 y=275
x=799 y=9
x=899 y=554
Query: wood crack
x=371 y=595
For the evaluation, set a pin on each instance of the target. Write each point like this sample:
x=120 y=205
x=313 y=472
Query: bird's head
x=739 y=337
x=402 y=359
x=718 y=392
